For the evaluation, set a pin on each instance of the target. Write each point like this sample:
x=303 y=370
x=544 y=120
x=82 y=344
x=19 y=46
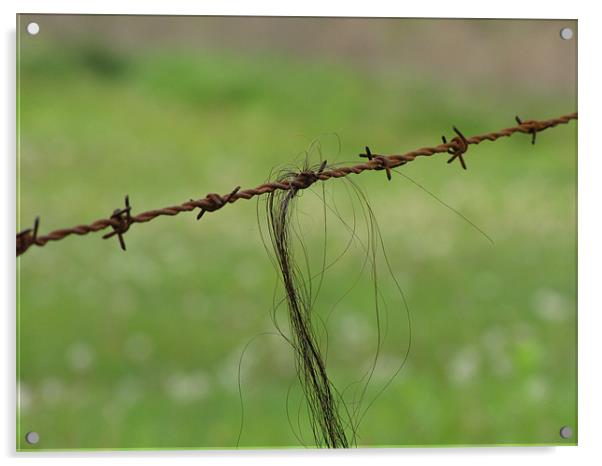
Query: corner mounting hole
x=32 y=438
x=566 y=33
x=566 y=432
x=33 y=28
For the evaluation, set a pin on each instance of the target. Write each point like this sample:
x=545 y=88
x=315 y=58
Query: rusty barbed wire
x=122 y=219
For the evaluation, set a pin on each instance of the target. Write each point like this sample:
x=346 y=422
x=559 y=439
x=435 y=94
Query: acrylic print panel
x=310 y=301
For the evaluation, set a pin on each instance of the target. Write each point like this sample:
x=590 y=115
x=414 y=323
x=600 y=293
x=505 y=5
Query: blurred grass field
x=141 y=349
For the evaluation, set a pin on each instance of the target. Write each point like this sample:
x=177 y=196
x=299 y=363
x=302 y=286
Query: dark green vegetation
x=141 y=349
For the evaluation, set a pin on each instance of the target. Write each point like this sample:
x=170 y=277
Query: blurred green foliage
x=142 y=349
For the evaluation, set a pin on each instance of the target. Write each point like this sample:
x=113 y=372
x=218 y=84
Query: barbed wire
x=122 y=219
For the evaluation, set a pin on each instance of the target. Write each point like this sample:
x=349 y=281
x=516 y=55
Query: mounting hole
x=566 y=33
x=566 y=432
x=33 y=28
x=32 y=438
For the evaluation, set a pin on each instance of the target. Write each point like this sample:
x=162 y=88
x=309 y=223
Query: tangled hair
x=334 y=415
x=323 y=407
x=333 y=420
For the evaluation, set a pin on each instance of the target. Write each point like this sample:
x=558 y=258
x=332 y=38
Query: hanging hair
x=334 y=415
x=322 y=403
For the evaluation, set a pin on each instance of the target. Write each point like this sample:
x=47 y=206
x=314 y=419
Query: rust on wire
x=383 y=162
x=532 y=125
x=27 y=237
x=217 y=202
x=306 y=178
x=458 y=146
x=121 y=219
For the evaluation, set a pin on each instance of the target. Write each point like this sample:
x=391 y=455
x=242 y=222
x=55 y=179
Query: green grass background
x=141 y=349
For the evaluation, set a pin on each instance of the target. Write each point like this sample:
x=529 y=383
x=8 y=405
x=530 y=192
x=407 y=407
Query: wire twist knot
x=217 y=202
x=123 y=220
x=458 y=149
x=531 y=126
x=27 y=237
x=383 y=162
x=306 y=178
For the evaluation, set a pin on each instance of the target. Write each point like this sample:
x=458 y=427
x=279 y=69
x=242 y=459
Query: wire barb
x=123 y=220
x=306 y=178
x=530 y=125
x=368 y=154
x=27 y=237
x=322 y=167
x=384 y=163
x=459 y=147
x=217 y=202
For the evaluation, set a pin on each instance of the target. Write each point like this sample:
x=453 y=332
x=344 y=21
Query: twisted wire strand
x=122 y=219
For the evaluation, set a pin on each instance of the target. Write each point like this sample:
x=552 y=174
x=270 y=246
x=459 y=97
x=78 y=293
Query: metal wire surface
x=121 y=219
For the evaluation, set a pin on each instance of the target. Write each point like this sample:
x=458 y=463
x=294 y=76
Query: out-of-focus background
x=153 y=348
